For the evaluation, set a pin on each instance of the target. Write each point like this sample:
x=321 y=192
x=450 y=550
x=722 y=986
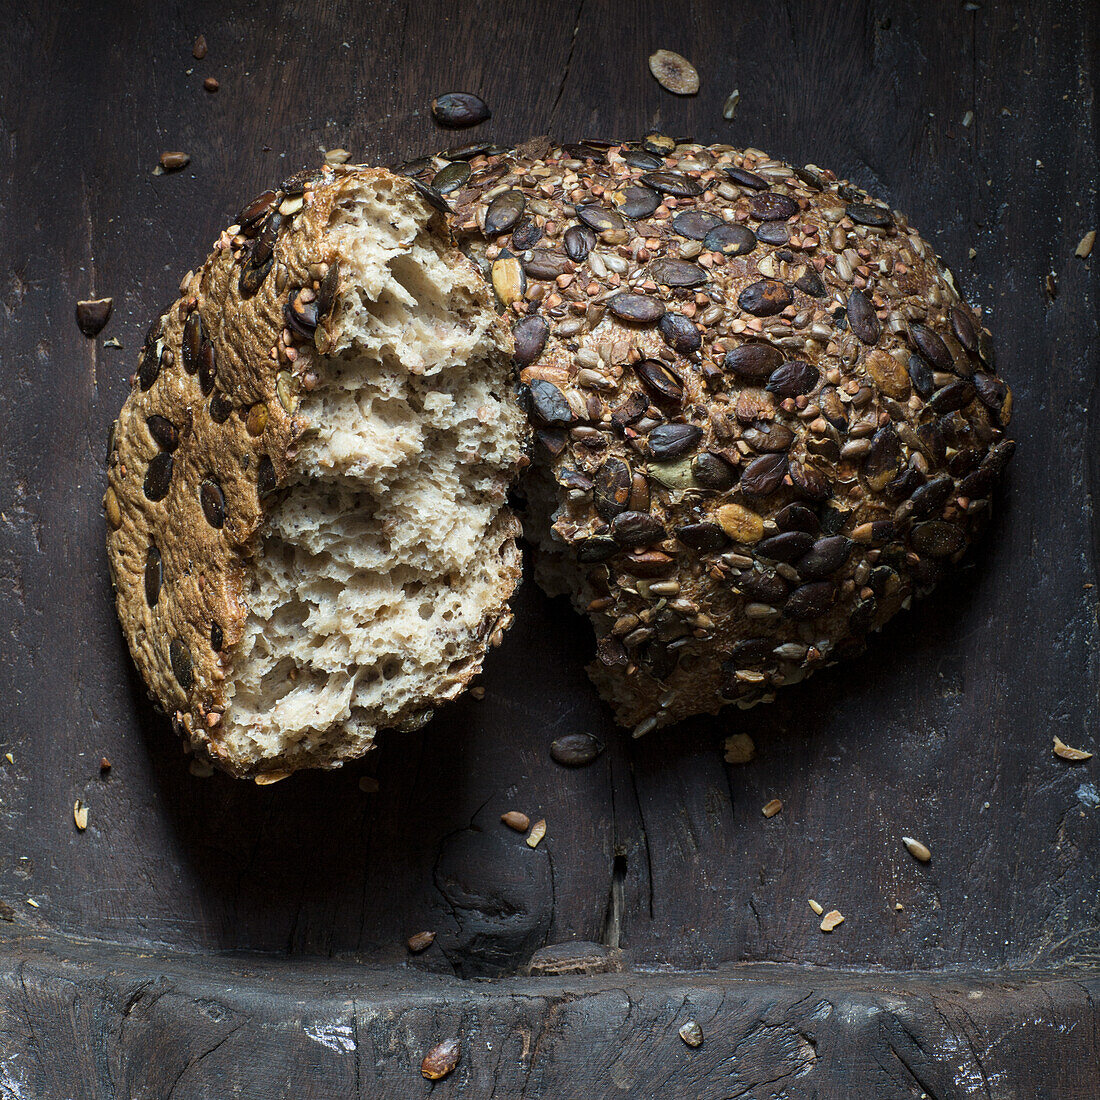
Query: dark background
x=943 y=731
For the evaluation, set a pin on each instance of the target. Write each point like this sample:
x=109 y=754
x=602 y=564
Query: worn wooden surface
x=942 y=732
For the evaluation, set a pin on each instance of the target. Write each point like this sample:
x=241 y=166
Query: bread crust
x=208 y=436
x=766 y=415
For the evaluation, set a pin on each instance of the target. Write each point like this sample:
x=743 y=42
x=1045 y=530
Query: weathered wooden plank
x=81 y=1020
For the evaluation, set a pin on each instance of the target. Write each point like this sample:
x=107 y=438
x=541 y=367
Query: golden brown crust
x=769 y=416
x=208 y=434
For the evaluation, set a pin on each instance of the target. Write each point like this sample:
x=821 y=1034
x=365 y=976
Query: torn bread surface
x=384 y=571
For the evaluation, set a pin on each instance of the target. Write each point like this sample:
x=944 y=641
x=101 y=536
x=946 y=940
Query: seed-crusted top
x=209 y=432
x=768 y=415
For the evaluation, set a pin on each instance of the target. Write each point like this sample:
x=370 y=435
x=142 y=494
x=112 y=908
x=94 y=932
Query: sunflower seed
x=1084 y=246
x=538 y=831
x=516 y=820
x=80 y=815
x=1066 y=753
x=831 y=920
x=674 y=73
x=916 y=849
x=772 y=808
x=729 y=108
x=173 y=162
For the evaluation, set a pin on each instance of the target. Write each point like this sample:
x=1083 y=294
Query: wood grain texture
x=941 y=732
x=156 y=1026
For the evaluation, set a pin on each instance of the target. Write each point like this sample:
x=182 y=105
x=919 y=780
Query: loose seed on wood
x=729 y=108
x=1084 y=246
x=917 y=849
x=173 y=162
x=421 y=941
x=817 y=907
x=691 y=1033
x=674 y=73
x=772 y=808
x=211 y=84
x=441 y=1059
x=538 y=831
x=198 y=50
x=92 y=316
x=459 y=110
x=516 y=820
x=1066 y=753
x=831 y=920
x=575 y=750
x=80 y=815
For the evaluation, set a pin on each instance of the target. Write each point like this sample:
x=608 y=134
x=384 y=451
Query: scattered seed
x=92 y=316
x=9 y=758
x=772 y=808
x=265 y=779
x=516 y=820
x=831 y=920
x=211 y=84
x=538 y=831
x=459 y=110
x=674 y=73
x=916 y=849
x=1066 y=753
x=198 y=50
x=729 y=108
x=337 y=156
x=441 y=1059
x=575 y=750
x=817 y=907
x=740 y=748
x=421 y=941
x=112 y=509
x=691 y=1033
x=967 y=119
x=1084 y=246
x=173 y=162
x=32 y=903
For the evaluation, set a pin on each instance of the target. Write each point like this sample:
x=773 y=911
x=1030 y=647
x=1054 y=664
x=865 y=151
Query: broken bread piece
x=307 y=522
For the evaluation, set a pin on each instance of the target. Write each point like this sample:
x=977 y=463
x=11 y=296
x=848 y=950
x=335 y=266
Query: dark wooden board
x=942 y=732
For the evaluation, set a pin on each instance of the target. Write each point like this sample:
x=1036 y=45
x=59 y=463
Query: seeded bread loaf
x=765 y=417
x=307 y=526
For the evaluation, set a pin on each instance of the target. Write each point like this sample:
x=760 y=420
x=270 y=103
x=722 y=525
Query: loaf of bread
x=307 y=521
x=763 y=421
x=766 y=419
